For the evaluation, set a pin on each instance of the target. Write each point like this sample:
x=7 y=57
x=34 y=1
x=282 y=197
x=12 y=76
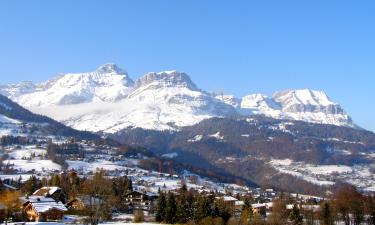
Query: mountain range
x=108 y=100
x=298 y=137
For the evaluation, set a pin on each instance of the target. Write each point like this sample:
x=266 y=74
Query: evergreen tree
x=190 y=200
x=295 y=216
x=203 y=208
x=170 y=209
x=182 y=212
x=31 y=185
x=222 y=210
x=161 y=204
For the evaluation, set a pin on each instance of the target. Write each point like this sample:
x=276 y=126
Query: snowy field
x=358 y=175
x=27 y=153
x=34 y=164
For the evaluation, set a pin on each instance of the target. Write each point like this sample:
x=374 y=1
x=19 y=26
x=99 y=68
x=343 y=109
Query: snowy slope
x=158 y=101
x=306 y=105
x=108 y=100
x=18 y=121
x=107 y=83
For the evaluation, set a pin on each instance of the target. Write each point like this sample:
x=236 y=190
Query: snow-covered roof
x=227 y=198
x=43 y=204
x=239 y=203
x=50 y=190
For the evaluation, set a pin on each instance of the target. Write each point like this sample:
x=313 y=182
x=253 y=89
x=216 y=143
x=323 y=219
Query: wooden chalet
x=139 y=200
x=53 y=192
x=76 y=203
x=40 y=208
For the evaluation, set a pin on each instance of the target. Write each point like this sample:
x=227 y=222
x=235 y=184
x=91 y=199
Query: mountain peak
x=303 y=97
x=110 y=68
x=171 y=78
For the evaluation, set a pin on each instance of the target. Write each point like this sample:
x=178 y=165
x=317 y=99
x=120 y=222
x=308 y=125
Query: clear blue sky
x=238 y=47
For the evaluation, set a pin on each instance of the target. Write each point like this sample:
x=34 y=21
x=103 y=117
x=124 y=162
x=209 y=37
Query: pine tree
x=170 y=209
x=222 y=210
x=161 y=204
x=203 y=208
x=295 y=216
x=182 y=212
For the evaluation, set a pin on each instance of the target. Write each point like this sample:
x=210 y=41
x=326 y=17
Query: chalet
x=140 y=200
x=260 y=208
x=54 y=192
x=229 y=201
x=76 y=203
x=40 y=208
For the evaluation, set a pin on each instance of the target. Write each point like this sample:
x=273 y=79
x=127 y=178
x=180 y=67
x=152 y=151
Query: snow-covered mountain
x=18 y=121
x=107 y=100
x=107 y=84
x=306 y=105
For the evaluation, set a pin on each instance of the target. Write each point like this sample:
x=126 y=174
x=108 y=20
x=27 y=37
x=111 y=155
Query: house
x=140 y=200
x=76 y=203
x=260 y=208
x=229 y=202
x=40 y=208
x=54 y=192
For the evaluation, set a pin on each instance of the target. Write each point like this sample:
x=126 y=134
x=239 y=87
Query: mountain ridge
x=164 y=100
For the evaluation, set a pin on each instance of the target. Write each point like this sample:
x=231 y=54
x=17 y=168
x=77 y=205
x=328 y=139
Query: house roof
x=228 y=198
x=43 y=204
x=50 y=190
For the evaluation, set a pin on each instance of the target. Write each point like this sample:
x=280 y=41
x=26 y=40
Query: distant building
x=76 y=203
x=139 y=200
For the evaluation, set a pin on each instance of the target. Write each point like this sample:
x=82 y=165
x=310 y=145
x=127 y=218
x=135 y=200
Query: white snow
x=306 y=105
x=170 y=155
x=93 y=166
x=7 y=120
x=217 y=136
x=196 y=138
x=34 y=164
x=359 y=175
x=108 y=100
x=27 y=153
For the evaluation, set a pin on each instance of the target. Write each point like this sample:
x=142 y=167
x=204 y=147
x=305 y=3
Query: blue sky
x=238 y=47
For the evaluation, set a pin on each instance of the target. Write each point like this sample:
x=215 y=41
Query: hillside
x=269 y=152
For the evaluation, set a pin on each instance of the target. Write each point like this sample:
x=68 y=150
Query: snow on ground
x=26 y=153
x=170 y=155
x=24 y=177
x=281 y=162
x=93 y=166
x=217 y=136
x=328 y=169
x=4 y=119
x=358 y=175
x=196 y=138
x=34 y=164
